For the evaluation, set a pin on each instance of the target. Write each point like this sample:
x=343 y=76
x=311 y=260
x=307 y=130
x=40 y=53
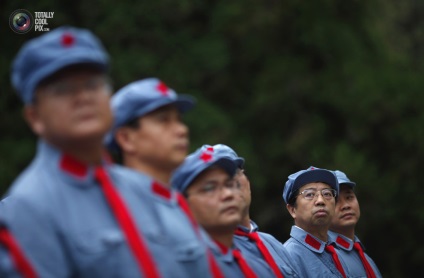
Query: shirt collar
x=77 y=172
x=309 y=241
x=220 y=251
x=253 y=227
x=164 y=194
x=342 y=241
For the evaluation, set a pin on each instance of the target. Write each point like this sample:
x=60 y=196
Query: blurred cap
x=199 y=161
x=227 y=151
x=140 y=98
x=45 y=55
x=310 y=175
x=343 y=179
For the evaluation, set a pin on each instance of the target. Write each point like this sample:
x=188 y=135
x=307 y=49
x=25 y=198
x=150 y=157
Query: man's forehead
x=314 y=185
x=214 y=173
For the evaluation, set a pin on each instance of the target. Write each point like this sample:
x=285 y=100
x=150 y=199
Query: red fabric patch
x=342 y=242
x=161 y=190
x=205 y=157
x=209 y=149
x=73 y=166
x=312 y=242
x=162 y=88
x=224 y=249
x=68 y=40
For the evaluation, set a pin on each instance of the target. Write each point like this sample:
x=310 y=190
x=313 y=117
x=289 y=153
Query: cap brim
x=96 y=60
x=239 y=162
x=183 y=104
x=317 y=175
x=226 y=164
x=348 y=183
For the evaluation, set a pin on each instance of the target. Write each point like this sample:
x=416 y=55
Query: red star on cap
x=205 y=157
x=67 y=40
x=209 y=149
x=162 y=88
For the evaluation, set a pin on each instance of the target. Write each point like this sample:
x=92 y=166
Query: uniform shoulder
x=129 y=174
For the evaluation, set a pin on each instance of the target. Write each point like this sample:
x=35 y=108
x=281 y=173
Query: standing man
x=150 y=138
x=206 y=179
x=310 y=196
x=342 y=231
x=247 y=236
x=73 y=212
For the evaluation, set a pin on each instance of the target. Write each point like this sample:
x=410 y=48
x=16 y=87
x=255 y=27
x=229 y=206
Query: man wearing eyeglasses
x=310 y=197
x=247 y=236
x=73 y=212
x=206 y=179
x=342 y=231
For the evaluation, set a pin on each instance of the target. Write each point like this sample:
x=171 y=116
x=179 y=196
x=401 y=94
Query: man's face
x=314 y=214
x=161 y=138
x=214 y=199
x=347 y=211
x=72 y=107
x=246 y=195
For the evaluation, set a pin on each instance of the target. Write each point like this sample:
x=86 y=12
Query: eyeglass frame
x=333 y=193
x=65 y=89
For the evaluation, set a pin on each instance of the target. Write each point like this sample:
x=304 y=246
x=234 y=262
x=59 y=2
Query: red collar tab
x=312 y=242
x=73 y=166
x=224 y=249
x=342 y=242
x=161 y=190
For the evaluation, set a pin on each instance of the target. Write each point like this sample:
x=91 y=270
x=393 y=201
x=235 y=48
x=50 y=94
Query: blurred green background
x=287 y=84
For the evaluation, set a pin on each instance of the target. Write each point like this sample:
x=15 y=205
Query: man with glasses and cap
x=310 y=197
x=149 y=137
x=206 y=179
x=342 y=231
x=247 y=236
x=73 y=212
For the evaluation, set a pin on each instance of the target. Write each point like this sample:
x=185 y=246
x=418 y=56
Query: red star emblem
x=68 y=40
x=162 y=88
x=205 y=157
x=209 y=149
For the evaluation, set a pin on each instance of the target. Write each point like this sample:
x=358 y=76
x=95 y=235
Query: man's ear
x=292 y=210
x=124 y=136
x=33 y=118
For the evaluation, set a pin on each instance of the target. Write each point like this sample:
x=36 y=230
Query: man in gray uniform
x=73 y=212
x=342 y=231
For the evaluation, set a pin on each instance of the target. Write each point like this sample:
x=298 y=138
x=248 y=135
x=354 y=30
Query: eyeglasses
x=327 y=193
x=213 y=189
x=66 y=89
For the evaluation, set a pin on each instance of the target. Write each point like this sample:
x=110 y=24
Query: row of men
x=74 y=213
